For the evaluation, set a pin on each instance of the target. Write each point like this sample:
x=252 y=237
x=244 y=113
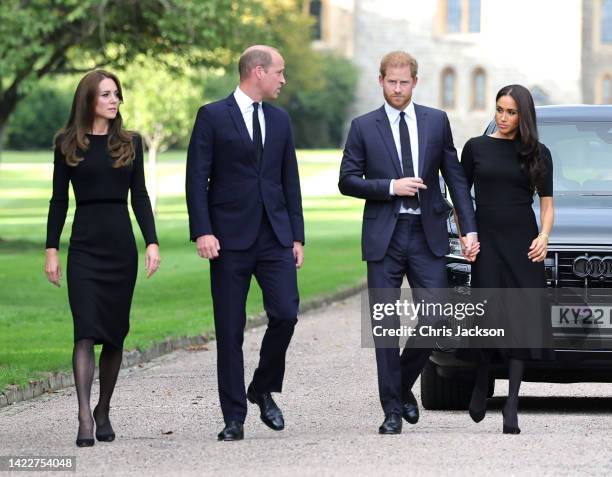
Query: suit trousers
x=230 y=274
x=407 y=255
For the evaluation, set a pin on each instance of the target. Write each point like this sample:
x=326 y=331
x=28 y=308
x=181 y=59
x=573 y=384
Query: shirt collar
x=393 y=114
x=245 y=103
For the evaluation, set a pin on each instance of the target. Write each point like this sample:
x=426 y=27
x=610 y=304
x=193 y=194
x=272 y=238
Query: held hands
x=538 y=248
x=408 y=186
x=52 y=267
x=152 y=259
x=298 y=254
x=470 y=246
x=208 y=246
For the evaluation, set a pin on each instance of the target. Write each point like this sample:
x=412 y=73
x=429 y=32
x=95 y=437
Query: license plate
x=581 y=316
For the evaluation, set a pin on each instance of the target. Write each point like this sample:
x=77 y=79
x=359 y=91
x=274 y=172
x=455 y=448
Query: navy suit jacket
x=369 y=163
x=227 y=193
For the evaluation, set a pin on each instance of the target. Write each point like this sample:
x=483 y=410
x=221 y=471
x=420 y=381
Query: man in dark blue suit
x=392 y=159
x=245 y=215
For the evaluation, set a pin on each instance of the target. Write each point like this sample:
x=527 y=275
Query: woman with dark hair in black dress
x=103 y=161
x=507 y=168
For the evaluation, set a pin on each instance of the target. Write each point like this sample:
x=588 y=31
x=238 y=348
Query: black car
x=579 y=260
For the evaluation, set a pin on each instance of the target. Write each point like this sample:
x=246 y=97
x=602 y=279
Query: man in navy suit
x=245 y=215
x=392 y=159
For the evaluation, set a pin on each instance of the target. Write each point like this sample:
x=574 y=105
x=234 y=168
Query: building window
x=448 y=83
x=540 y=97
x=316 y=11
x=474 y=16
x=479 y=90
x=461 y=16
x=606 y=89
x=606 y=21
x=453 y=16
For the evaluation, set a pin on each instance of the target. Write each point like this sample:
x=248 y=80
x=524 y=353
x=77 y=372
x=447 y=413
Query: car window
x=582 y=155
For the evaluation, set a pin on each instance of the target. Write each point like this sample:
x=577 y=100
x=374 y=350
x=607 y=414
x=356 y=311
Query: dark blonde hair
x=398 y=59
x=72 y=139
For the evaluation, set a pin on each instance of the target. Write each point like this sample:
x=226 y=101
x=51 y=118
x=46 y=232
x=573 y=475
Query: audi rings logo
x=595 y=267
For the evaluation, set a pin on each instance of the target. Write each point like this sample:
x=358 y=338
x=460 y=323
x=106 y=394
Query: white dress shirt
x=245 y=104
x=394 y=120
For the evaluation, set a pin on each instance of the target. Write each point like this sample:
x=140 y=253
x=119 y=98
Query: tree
x=319 y=117
x=320 y=87
x=39 y=115
x=43 y=37
x=161 y=106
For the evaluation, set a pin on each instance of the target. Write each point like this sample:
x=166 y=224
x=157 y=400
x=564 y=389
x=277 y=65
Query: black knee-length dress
x=102 y=256
x=506 y=228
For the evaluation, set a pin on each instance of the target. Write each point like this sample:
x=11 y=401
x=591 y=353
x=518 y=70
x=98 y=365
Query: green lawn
x=35 y=320
x=20 y=157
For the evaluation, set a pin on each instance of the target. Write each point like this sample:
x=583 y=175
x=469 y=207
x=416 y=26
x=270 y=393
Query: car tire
x=441 y=393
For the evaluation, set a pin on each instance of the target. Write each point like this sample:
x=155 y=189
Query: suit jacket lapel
x=421 y=117
x=382 y=122
x=241 y=128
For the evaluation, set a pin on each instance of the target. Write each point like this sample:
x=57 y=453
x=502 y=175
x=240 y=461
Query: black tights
x=83 y=365
x=515 y=376
x=481 y=387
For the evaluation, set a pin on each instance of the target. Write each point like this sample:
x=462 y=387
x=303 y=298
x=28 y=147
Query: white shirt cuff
x=391 y=187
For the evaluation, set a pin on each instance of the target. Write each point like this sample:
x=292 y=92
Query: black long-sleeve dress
x=102 y=256
x=506 y=228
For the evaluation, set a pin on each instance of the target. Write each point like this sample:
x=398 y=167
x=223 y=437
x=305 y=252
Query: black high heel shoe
x=480 y=398
x=477 y=416
x=84 y=441
x=509 y=429
x=106 y=434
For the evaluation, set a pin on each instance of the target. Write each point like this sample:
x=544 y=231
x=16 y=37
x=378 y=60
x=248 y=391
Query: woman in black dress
x=103 y=161
x=507 y=168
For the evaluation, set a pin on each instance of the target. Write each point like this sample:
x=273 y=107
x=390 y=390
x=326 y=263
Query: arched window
x=606 y=21
x=479 y=89
x=448 y=87
x=606 y=89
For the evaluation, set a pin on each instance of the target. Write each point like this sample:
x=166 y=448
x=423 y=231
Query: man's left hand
x=298 y=254
x=470 y=246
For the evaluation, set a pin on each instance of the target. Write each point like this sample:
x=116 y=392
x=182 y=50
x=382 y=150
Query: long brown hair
x=527 y=133
x=72 y=138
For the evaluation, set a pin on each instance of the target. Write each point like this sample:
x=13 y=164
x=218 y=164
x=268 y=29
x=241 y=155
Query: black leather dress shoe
x=392 y=424
x=410 y=410
x=233 y=431
x=270 y=414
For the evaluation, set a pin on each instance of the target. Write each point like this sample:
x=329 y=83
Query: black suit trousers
x=274 y=269
x=407 y=255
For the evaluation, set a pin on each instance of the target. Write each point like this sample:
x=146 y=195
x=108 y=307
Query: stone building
x=597 y=51
x=468 y=49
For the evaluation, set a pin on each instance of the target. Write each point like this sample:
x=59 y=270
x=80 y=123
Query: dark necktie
x=257 y=140
x=409 y=202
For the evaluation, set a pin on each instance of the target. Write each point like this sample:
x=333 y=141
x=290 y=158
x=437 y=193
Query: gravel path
x=166 y=416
